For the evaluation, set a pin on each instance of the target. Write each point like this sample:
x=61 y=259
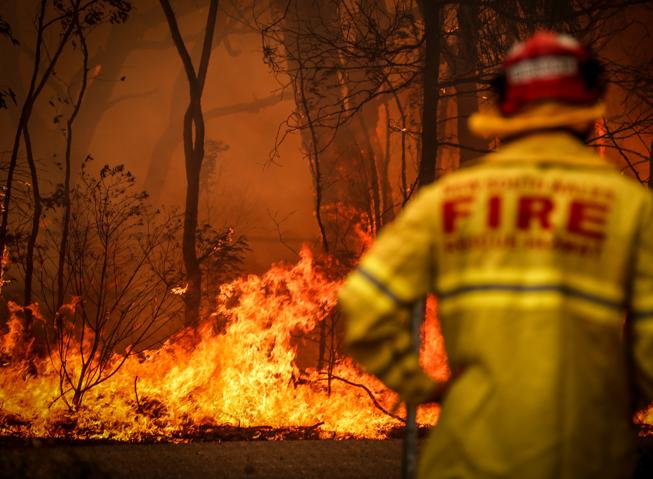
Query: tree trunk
x=194 y=134
x=31 y=242
x=387 y=215
x=465 y=66
x=314 y=154
x=193 y=167
x=65 y=229
x=405 y=193
x=431 y=12
x=162 y=152
x=370 y=158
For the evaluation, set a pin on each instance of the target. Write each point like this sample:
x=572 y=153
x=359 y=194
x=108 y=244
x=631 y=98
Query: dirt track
x=252 y=459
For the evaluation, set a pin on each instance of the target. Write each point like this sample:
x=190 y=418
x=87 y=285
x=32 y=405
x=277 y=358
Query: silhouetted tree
x=194 y=137
x=432 y=17
x=71 y=17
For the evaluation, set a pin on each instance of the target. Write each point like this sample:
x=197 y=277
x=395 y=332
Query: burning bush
x=238 y=369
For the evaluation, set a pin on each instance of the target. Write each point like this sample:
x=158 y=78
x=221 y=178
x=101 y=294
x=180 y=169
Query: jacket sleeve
x=377 y=300
x=641 y=308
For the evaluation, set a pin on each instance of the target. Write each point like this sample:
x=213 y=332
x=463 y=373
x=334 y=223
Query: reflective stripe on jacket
x=536 y=254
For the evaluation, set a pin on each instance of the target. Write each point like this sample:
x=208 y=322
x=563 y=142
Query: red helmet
x=548 y=66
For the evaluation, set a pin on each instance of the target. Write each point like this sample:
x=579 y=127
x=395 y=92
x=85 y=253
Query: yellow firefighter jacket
x=536 y=254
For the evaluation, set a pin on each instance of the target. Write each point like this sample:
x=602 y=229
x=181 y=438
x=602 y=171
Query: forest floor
x=307 y=459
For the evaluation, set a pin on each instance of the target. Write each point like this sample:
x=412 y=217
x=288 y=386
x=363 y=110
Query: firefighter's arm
x=641 y=308
x=377 y=300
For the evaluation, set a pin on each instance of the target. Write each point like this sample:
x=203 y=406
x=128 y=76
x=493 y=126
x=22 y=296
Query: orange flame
x=239 y=368
x=601 y=131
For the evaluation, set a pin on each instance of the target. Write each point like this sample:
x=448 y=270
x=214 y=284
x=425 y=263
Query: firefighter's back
x=532 y=264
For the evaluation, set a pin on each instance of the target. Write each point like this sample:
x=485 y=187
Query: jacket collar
x=554 y=147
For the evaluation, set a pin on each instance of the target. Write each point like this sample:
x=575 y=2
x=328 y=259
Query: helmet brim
x=542 y=116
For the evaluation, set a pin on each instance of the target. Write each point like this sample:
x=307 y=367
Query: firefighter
x=541 y=256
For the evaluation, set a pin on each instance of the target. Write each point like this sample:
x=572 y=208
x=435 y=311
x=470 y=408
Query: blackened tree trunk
x=465 y=70
x=373 y=183
x=194 y=134
x=65 y=229
x=36 y=221
x=162 y=152
x=432 y=13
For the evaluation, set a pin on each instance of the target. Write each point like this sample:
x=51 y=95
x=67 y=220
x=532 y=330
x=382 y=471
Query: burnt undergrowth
x=203 y=433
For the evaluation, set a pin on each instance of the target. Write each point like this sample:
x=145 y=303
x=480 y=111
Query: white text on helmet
x=542 y=68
